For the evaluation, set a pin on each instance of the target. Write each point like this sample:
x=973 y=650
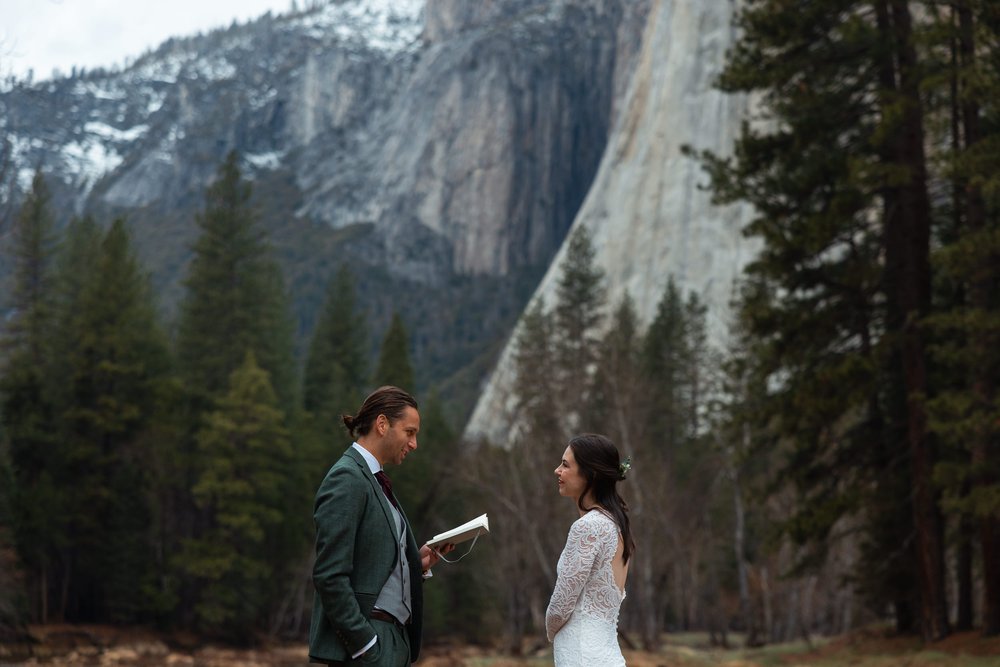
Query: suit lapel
x=377 y=488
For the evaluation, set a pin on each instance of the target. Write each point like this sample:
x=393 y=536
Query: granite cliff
x=442 y=148
x=647 y=211
x=466 y=133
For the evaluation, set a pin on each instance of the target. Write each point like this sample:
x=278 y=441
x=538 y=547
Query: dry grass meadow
x=73 y=646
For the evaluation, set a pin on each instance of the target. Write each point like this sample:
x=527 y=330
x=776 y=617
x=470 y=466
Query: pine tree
x=34 y=250
x=618 y=399
x=27 y=408
x=538 y=389
x=245 y=458
x=235 y=301
x=7 y=184
x=578 y=314
x=117 y=361
x=12 y=616
x=907 y=279
x=839 y=180
x=336 y=368
x=965 y=414
x=676 y=465
x=235 y=304
x=394 y=358
x=665 y=362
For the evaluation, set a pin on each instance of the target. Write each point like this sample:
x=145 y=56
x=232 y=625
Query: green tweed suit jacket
x=355 y=555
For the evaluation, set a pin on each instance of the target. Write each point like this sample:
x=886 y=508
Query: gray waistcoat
x=395 y=595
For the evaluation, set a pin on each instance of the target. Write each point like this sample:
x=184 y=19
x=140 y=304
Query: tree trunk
x=765 y=588
x=963 y=569
x=44 y=594
x=907 y=282
x=960 y=51
x=989 y=532
x=739 y=547
x=983 y=386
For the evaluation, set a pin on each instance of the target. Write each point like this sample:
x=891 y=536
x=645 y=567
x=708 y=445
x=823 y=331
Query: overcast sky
x=46 y=34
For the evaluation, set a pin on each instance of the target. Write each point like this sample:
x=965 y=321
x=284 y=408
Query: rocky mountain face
x=442 y=147
x=467 y=133
x=648 y=217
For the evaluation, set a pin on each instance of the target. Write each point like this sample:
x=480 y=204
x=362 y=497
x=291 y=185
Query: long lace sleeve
x=586 y=545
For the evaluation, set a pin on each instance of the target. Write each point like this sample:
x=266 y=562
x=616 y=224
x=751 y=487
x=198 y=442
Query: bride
x=582 y=618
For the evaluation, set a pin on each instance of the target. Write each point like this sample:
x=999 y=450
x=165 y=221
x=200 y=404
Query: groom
x=368 y=572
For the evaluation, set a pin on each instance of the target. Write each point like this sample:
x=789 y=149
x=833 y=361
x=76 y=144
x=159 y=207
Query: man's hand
x=430 y=556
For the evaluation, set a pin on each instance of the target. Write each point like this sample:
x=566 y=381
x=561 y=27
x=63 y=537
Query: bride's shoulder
x=596 y=519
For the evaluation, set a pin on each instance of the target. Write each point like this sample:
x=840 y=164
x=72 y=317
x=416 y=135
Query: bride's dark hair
x=601 y=466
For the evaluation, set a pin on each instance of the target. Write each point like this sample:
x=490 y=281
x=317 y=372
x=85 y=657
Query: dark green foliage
x=245 y=458
x=864 y=102
x=541 y=404
x=618 y=401
x=965 y=413
x=34 y=246
x=37 y=505
x=665 y=358
x=235 y=301
x=234 y=309
x=115 y=360
x=816 y=342
x=27 y=409
x=138 y=495
x=577 y=317
x=12 y=601
x=336 y=370
x=394 y=366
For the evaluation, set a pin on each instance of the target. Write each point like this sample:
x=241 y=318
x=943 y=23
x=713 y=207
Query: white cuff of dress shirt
x=365 y=649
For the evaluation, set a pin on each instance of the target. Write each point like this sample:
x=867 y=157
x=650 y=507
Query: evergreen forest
x=835 y=464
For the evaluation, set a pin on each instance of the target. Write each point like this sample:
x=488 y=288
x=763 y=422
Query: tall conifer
x=665 y=365
x=965 y=415
x=394 y=366
x=117 y=361
x=617 y=402
x=577 y=318
x=337 y=365
x=27 y=408
x=245 y=457
x=839 y=182
x=235 y=300
x=235 y=305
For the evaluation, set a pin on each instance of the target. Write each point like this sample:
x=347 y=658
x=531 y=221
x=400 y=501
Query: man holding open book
x=368 y=572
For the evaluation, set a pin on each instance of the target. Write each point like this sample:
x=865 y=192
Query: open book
x=478 y=526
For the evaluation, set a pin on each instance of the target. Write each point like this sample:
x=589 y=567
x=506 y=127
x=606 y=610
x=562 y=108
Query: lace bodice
x=585 y=586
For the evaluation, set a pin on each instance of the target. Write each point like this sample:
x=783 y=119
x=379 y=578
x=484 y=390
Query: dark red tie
x=386 y=483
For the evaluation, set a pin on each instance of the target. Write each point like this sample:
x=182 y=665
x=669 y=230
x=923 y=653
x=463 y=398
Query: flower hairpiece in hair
x=624 y=467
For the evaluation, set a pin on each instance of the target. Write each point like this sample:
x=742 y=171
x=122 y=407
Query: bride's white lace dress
x=582 y=618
